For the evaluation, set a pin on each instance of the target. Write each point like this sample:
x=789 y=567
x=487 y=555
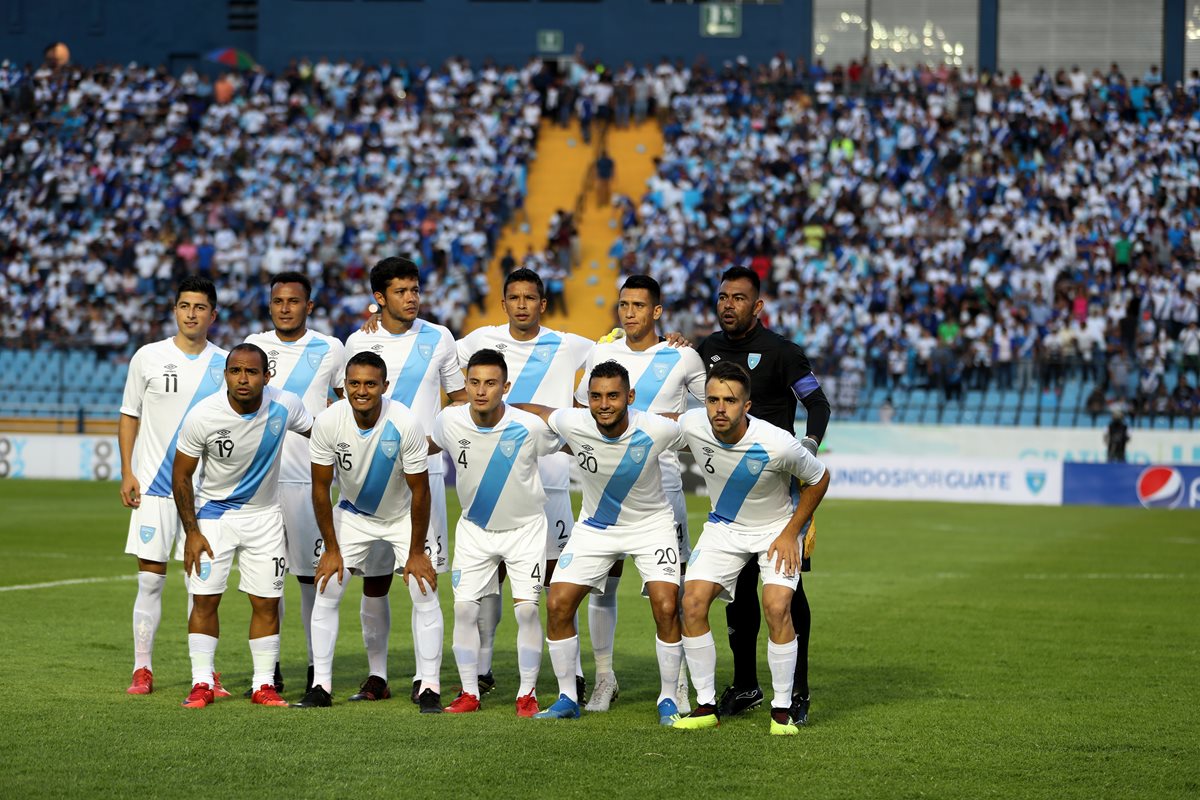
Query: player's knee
x=466 y=612
x=695 y=608
x=205 y=605
x=526 y=612
x=777 y=611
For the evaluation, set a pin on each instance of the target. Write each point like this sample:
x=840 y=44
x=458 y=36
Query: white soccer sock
x=782 y=660
x=602 y=623
x=489 y=619
x=578 y=658
x=324 y=631
x=529 y=645
x=466 y=645
x=430 y=628
x=264 y=652
x=203 y=650
x=375 y=613
x=564 y=655
x=701 y=652
x=308 y=594
x=147 y=613
x=670 y=656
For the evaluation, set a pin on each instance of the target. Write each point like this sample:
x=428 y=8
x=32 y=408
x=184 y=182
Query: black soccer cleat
x=430 y=702
x=580 y=690
x=736 y=701
x=799 y=710
x=373 y=688
x=487 y=682
x=278 y=683
x=308 y=681
x=416 y=693
x=316 y=697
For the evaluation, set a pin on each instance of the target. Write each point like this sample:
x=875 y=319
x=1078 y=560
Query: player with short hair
x=238 y=434
x=782 y=376
x=495 y=449
x=165 y=379
x=308 y=364
x=421 y=363
x=748 y=465
x=662 y=377
x=541 y=365
x=380 y=452
x=625 y=513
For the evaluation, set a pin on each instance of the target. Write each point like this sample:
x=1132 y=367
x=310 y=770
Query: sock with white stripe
x=203 y=650
x=325 y=623
x=466 y=644
x=147 y=613
x=529 y=645
x=701 y=652
x=264 y=652
x=602 y=623
x=564 y=655
x=781 y=658
x=670 y=656
x=430 y=628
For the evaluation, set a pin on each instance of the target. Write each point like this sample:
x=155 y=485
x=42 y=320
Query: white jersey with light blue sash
x=542 y=371
x=622 y=481
x=496 y=468
x=750 y=483
x=308 y=368
x=661 y=377
x=370 y=465
x=162 y=385
x=240 y=452
x=421 y=364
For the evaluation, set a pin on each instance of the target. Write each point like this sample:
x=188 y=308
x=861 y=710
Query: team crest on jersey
x=753 y=359
x=637 y=454
x=275 y=425
x=314 y=358
x=389 y=446
x=146 y=533
x=426 y=351
x=455 y=577
x=205 y=570
x=216 y=372
x=508 y=448
x=543 y=352
x=565 y=560
x=661 y=370
x=755 y=467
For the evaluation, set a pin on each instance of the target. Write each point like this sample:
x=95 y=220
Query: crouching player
x=748 y=465
x=495 y=450
x=238 y=433
x=379 y=449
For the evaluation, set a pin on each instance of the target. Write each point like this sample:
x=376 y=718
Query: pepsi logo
x=1160 y=487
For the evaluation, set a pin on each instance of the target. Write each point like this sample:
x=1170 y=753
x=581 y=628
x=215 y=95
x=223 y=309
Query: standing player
x=308 y=364
x=781 y=376
x=238 y=433
x=625 y=513
x=495 y=450
x=662 y=376
x=748 y=466
x=379 y=449
x=165 y=379
x=541 y=365
x=421 y=364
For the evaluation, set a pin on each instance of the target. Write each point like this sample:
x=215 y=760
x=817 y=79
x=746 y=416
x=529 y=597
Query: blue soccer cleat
x=563 y=708
x=668 y=712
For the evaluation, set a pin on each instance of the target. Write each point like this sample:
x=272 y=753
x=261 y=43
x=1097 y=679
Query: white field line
x=23 y=587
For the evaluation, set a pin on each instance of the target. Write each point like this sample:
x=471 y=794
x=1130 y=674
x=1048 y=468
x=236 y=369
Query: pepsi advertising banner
x=1131 y=485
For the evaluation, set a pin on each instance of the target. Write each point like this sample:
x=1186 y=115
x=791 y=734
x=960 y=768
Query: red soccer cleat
x=267 y=696
x=463 y=704
x=200 y=696
x=143 y=682
x=527 y=706
x=218 y=689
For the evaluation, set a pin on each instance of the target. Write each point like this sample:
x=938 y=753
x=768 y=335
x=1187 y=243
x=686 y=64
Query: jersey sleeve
x=321 y=445
x=192 y=440
x=135 y=387
x=338 y=379
x=797 y=372
x=581 y=389
x=451 y=372
x=673 y=433
x=546 y=441
x=694 y=375
x=798 y=461
x=415 y=455
x=298 y=420
x=354 y=345
x=464 y=348
x=557 y=421
x=579 y=348
x=438 y=432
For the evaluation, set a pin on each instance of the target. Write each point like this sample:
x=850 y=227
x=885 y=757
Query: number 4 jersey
x=240 y=452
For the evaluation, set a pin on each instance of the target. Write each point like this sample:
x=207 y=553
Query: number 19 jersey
x=497 y=467
x=371 y=464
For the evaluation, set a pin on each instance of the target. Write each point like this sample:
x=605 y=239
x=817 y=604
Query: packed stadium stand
x=947 y=247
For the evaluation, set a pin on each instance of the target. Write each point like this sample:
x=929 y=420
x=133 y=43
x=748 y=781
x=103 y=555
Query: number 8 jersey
x=371 y=464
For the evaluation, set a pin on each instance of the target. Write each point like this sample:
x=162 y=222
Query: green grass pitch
x=957 y=651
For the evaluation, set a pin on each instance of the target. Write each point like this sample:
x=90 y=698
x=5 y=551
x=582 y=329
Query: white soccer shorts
x=304 y=543
x=560 y=520
x=258 y=542
x=591 y=552
x=721 y=552
x=380 y=558
x=155 y=530
x=478 y=553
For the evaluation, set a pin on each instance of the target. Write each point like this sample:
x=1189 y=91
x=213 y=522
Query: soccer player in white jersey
x=542 y=364
x=379 y=449
x=238 y=434
x=165 y=379
x=625 y=513
x=308 y=364
x=495 y=450
x=421 y=364
x=662 y=376
x=748 y=465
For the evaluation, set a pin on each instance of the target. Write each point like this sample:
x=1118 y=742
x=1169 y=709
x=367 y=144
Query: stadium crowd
x=912 y=226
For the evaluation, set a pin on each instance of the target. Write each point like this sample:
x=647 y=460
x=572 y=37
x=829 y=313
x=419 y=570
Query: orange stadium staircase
x=562 y=177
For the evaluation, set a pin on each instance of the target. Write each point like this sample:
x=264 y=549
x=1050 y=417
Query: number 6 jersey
x=371 y=464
